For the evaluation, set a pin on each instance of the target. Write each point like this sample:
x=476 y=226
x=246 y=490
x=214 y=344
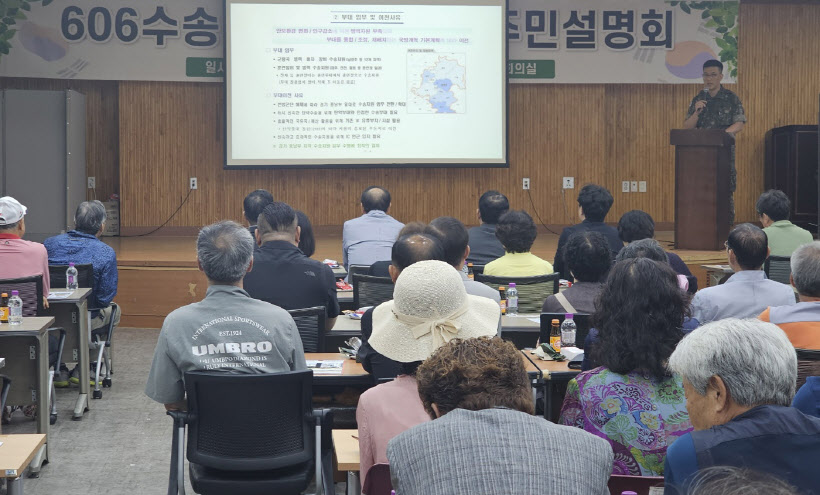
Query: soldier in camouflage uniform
x=717 y=108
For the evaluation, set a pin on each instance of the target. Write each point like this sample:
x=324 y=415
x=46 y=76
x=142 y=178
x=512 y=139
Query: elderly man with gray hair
x=739 y=377
x=228 y=330
x=82 y=246
x=801 y=321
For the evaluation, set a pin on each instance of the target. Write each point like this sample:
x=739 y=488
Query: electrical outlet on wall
x=569 y=182
x=633 y=186
x=642 y=186
x=193 y=182
x=625 y=186
x=525 y=183
x=92 y=182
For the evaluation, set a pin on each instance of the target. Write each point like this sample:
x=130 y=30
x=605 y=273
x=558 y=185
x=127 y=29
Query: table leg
x=84 y=363
x=354 y=486
x=547 y=399
x=37 y=462
x=43 y=404
x=14 y=486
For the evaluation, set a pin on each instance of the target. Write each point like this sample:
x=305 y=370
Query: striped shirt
x=800 y=322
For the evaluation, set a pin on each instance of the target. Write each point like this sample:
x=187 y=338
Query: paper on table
x=536 y=320
x=325 y=367
x=61 y=294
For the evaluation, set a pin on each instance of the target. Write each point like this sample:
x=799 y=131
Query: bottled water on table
x=568 y=331
x=71 y=281
x=15 y=308
x=512 y=300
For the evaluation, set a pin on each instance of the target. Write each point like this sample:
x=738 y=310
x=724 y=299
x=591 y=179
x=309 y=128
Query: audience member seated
x=631 y=400
x=253 y=205
x=382 y=268
x=730 y=480
x=228 y=330
x=807 y=398
x=649 y=248
x=739 y=377
x=747 y=292
x=784 y=237
x=454 y=237
x=407 y=250
x=307 y=243
x=801 y=321
x=282 y=274
x=83 y=246
x=368 y=239
x=484 y=245
x=588 y=259
x=594 y=203
x=636 y=225
x=485 y=439
x=20 y=258
x=430 y=308
x=517 y=233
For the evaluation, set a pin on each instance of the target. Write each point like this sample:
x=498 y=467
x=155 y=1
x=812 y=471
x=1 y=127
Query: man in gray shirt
x=748 y=292
x=369 y=238
x=455 y=239
x=228 y=330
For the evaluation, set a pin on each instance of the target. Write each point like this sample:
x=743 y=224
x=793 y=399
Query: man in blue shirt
x=82 y=246
x=369 y=238
x=739 y=378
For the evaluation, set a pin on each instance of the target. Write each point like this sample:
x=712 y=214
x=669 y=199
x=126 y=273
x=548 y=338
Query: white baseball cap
x=11 y=211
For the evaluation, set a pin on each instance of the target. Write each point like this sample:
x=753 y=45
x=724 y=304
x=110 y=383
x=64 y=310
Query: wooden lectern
x=702 y=161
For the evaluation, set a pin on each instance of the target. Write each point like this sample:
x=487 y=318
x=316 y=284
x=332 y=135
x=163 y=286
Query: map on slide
x=436 y=82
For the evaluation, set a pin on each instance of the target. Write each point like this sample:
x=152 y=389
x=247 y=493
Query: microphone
x=540 y=375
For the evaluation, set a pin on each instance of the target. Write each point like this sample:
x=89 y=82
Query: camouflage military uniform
x=721 y=112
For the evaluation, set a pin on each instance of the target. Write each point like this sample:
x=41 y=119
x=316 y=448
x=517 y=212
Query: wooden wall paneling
x=595 y=133
x=102 y=134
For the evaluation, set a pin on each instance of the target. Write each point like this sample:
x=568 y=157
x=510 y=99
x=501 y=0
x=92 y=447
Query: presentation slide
x=366 y=85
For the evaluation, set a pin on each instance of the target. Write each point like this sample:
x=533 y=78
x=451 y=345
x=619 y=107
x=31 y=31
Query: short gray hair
x=644 y=248
x=805 y=265
x=754 y=359
x=225 y=250
x=89 y=217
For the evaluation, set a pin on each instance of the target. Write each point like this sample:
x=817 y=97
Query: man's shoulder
x=55 y=240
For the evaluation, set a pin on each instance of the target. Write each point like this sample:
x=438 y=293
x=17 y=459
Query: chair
x=100 y=338
x=31 y=293
x=371 y=291
x=270 y=445
x=532 y=291
x=377 y=480
x=311 y=323
x=356 y=269
x=638 y=484
x=778 y=268
x=57 y=276
x=808 y=364
x=5 y=385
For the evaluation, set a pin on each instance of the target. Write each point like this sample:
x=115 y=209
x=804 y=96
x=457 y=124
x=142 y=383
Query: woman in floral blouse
x=631 y=400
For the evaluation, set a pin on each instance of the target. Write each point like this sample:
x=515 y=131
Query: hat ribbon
x=442 y=330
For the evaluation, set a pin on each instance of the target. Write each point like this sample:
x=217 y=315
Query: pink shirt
x=19 y=258
x=384 y=412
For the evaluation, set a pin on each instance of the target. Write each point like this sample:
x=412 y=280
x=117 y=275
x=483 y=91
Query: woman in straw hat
x=430 y=307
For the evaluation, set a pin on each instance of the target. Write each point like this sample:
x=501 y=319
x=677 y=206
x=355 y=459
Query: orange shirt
x=800 y=322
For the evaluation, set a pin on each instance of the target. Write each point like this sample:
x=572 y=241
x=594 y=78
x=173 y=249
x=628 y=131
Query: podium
x=702 y=161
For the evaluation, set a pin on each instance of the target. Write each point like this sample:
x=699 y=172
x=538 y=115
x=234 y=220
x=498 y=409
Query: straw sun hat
x=429 y=308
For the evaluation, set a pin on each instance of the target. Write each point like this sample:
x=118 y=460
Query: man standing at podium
x=717 y=108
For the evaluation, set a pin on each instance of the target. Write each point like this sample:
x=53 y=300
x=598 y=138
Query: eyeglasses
x=707 y=76
x=726 y=244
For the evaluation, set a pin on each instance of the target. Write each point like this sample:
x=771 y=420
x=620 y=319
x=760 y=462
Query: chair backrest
x=85 y=275
x=778 y=268
x=5 y=385
x=808 y=364
x=250 y=422
x=371 y=291
x=31 y=292
x=638 y=484
x=311 y=323
x=377 y=480
x=532 y=291
x=583 y=322
x=478 y=269
x=360 y=269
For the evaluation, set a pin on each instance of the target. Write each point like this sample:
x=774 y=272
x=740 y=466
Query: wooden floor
x=160 y=274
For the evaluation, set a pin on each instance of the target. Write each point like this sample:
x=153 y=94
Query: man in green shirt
x=784 y=236
x=717 y=108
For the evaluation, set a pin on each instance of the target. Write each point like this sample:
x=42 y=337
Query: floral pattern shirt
x=639 y=416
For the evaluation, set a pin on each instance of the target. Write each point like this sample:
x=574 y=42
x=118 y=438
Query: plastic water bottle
x=568 y=331
x=512 y=300
x=71 y=282
x=15 y=308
